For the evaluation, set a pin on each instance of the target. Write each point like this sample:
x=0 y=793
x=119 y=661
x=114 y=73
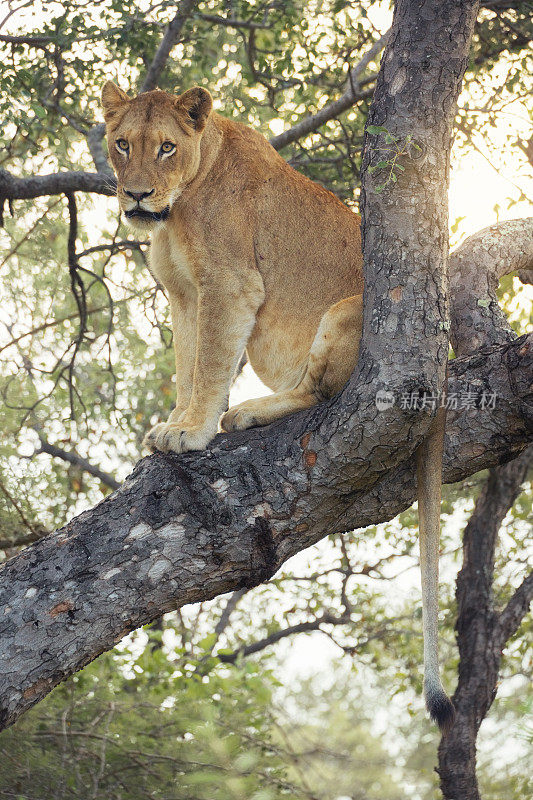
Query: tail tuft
x=441 y=709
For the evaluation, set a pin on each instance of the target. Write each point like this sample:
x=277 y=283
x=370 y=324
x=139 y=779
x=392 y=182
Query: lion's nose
x=138 y=196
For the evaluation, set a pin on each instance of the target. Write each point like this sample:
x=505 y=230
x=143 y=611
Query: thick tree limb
x=13 y=188
x=194 y=526
x=188 y=528
x=475 y=271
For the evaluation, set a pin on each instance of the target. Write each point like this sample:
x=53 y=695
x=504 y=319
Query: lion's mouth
x=153 y=216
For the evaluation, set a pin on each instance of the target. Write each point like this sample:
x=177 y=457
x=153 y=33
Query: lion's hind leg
x=331 y=361
x=266 y=409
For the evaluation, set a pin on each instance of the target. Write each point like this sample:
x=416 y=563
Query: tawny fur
x=253 y=256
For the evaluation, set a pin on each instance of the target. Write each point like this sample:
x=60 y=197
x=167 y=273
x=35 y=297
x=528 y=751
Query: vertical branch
x=78 y=290
x=170 y=38
x=405 y=226
x=478 y=629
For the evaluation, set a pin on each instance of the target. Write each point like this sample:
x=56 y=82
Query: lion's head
x=154 y=146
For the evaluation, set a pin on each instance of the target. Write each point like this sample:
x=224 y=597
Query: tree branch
x=474 y=582
x=278 y=636
x=95 y=143
x=475 y=271
x=516 y=609
x=481 y=636
x=170 y=38
x=229 y=608
x=14 y=188
x=33 y=41
x=185 y=529
x=74 y=458
x=352 y=93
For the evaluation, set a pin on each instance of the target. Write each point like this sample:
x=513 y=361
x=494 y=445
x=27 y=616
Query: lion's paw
x=238 y=418
x=171 y=437
x=150 y=437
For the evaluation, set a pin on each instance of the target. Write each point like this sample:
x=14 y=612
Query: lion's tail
x=429 y=469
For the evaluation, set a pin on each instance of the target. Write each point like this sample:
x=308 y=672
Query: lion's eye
x=166 y=148
x=122 y=145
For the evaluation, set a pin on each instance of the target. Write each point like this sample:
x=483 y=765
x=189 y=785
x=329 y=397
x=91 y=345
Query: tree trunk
x=186 y=528
x=479 y=630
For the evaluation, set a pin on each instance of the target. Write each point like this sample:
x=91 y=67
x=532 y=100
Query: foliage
x=391 y=154
x=148 y=727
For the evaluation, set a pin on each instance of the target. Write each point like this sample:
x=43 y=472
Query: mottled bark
x=405 y=227
x=187 y=528
x=475 y=271
x=14 y=188
x=482 y=631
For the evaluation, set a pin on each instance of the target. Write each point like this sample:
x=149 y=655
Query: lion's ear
x=113 y=100
x=197 y=104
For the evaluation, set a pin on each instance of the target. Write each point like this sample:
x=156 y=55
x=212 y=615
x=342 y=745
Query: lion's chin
x=142 y=219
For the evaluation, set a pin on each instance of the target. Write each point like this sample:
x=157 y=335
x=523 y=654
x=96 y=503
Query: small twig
x=18 y=509
x=74 y=458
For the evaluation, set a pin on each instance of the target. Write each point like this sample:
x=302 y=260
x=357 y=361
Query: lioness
x=253 y=256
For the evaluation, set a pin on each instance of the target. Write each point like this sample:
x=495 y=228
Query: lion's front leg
x=226 y=316
x=183 y=308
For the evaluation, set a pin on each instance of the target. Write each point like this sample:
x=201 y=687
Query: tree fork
x=186 y=528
